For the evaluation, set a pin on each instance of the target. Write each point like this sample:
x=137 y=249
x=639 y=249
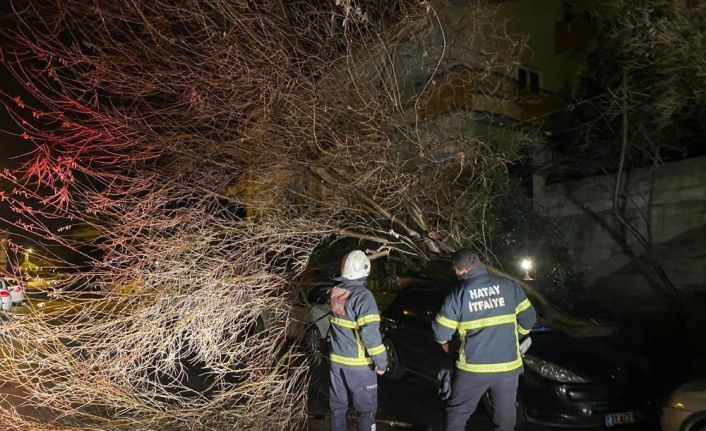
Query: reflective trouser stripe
x=488 y=321
x=448 y=323
x=350 y=361
x=522 y=306
x=345 y=323
x=368 y=318
x=490 y=368
x=376 y=350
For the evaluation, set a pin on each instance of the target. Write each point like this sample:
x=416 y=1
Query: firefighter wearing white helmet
x=355 y=265
x=357 y=353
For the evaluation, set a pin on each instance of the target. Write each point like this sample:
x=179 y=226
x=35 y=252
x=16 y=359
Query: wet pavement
x=413 y=400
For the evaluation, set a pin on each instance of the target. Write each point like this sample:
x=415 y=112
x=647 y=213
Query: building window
x=528 y=80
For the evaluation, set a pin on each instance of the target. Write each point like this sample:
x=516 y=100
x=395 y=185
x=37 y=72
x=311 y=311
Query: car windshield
x=417 y=303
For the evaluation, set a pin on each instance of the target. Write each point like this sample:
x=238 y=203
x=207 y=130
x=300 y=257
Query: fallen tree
x=211 y=147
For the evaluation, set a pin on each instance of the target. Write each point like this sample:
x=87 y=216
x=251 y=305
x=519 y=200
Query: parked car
x=570 y=382
x=12 y=292
x=686 y=408
x=311 y=326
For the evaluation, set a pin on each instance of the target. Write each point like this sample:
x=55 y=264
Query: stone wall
x=667 y=204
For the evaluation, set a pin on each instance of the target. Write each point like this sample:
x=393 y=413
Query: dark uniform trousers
x=362 y=385
x=468 y=388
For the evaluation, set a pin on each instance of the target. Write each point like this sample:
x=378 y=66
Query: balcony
x=503 y=98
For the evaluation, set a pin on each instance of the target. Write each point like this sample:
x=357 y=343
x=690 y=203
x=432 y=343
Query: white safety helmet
x=355 y=265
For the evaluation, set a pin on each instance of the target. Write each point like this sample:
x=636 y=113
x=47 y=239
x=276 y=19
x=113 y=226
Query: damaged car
x=568 y=381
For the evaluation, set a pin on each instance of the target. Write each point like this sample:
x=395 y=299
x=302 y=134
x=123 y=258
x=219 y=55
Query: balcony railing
x=457 y=91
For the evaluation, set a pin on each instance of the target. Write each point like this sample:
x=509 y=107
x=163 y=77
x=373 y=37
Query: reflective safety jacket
x=489 y=312
x=355 y=335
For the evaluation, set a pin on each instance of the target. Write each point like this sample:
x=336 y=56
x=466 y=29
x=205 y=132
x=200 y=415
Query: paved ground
x=411 y=400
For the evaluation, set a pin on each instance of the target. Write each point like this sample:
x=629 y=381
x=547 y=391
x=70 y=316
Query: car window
x=420 y=304
x=318 y=295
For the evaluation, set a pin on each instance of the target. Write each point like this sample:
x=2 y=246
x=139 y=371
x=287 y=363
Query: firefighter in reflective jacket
x=490 y=313
x=357 y=353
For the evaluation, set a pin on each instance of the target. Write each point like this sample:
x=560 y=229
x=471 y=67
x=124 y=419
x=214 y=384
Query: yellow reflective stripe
x=488 y=321
x=359 y=344
x=487 y=368
x=376 y=350
x=369 y=318
x=523 y=306
x=448 y=323
x=490 y=368
x=522 y=331
x=343 y=322
x=350 y=361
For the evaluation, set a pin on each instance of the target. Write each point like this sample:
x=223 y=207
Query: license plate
x=612 y=419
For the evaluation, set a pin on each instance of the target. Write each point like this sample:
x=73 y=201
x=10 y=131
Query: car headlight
x=552 y=371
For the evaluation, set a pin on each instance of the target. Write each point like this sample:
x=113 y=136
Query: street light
x=527 y=265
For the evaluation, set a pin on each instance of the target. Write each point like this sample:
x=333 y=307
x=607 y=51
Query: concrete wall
x=675 y=221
